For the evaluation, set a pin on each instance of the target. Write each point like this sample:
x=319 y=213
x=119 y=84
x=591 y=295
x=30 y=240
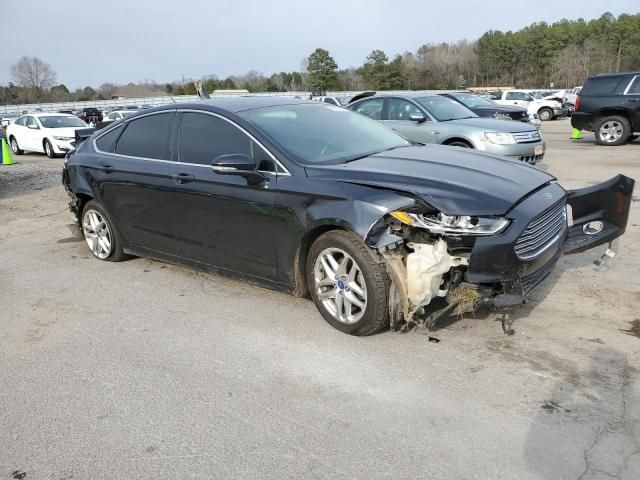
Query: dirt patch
x=634 y=328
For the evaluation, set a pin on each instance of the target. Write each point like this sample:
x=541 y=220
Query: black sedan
x=318 y=200
x=484 y=107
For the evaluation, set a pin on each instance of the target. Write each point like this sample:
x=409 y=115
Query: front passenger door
x=224 y=220
x=398 y=115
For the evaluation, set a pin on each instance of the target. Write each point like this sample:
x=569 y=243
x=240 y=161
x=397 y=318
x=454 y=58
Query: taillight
x=577 y=105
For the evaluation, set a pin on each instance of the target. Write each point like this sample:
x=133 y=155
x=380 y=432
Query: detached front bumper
x=594 y=216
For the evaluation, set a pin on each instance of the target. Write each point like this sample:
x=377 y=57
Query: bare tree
x=34 y=74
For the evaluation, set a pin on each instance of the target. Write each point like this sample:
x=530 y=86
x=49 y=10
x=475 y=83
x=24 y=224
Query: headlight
x=452 y=224
x=500 y=138
x=62 y=138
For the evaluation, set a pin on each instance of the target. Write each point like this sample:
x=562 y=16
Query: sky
x=118 y=41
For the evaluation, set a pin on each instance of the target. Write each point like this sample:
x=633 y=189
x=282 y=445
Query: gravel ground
x=142 y=369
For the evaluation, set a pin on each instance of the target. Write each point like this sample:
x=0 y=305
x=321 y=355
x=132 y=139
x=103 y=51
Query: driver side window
x=401 y=109
x=371 y=108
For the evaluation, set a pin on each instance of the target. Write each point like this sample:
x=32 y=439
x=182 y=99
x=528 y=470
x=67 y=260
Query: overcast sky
x=92 y=42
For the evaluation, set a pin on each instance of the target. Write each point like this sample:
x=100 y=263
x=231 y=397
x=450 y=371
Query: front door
x=397 y=116
x=633 y=102
x=224 y=220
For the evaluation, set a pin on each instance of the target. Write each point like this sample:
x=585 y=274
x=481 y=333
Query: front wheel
x=545 y=114
x=14 y=146
x=348 y=286
x=48 y=149
x=612 y=131
x=101 y=234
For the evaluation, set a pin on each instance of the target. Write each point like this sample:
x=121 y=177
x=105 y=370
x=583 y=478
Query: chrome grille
x=543 y=232
x=527 y=137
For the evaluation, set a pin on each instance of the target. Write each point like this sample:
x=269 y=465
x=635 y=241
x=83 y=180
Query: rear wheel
x=48 y=149
x=612 y=131
x=14 y=146
x=101 y=234
x=545 y=114
x=348 y=286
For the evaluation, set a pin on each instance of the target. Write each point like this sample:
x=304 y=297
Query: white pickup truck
x=546 y=109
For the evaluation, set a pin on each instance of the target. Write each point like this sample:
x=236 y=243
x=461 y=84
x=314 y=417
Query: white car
x=117 y=115
x=50 y=133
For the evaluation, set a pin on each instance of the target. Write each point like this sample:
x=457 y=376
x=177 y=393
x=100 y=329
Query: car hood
x=491 y=125
x=456 y=181
x=64 y=132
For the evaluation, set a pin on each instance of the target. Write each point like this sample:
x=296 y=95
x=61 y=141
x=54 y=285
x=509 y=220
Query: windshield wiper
x=375 y=152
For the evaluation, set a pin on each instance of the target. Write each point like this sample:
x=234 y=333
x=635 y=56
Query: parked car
x=91 y=115
x=306 y=197
x=118 y=114
x=337 y=101
x=8 y=119
x=437 y=119
x=484 y=107
x=609 y=105
x=572 y=94
x=50 y=133
x=546 y=109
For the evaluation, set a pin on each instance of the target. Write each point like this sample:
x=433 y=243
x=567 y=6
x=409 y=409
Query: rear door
x=224 y=220
x=396 y=116
x=598 y=214
x=137 y=181
x=632 y=95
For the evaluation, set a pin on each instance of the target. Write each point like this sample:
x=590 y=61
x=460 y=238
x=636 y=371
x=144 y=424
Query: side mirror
x=237 y=164
x=33 y=126
x=417 y=117
x=233 y=163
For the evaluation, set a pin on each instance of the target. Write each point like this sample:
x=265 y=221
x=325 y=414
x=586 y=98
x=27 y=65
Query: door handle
x=634 y=99
x=107 y=168
x=181 y=178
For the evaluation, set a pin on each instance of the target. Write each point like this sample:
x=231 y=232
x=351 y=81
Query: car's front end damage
x=500 y=259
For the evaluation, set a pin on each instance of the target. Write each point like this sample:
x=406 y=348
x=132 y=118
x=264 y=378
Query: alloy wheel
x=611 y=131
x=14 y=146
x=97 y=234
x=340 y=285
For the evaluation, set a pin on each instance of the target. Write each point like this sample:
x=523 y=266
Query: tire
x=459 y=143
x=361 y=285
x=14 y=146
x=48 y=149
x=93 y=216
x=612 y=131
x=545 y=114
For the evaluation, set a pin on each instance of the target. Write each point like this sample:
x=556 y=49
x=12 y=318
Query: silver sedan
x=435 y=119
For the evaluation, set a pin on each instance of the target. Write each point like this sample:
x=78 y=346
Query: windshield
x=473 y=101
x=320 y=133
x=445 y=109
x=61 y=121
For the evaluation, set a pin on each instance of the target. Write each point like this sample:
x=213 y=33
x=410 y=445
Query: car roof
x=52 y=114
x=241 y=103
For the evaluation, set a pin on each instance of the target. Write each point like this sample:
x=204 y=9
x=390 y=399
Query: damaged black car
x=320 y=201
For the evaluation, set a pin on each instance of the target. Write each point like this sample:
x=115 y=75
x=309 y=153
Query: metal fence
x=167 y=99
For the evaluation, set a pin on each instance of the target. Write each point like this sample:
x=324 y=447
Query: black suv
x=91 y=115
x=609 y=106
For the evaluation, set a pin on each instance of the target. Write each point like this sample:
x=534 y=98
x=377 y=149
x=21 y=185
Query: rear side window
x=634 y=88
x=107 y=142
x=147 y=137
x=603 y=85
x=204 y=137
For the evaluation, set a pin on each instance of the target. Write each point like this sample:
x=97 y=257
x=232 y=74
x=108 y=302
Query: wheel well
x=449 y=141
x=83 y=198
x=612 y=111
x=300 y=261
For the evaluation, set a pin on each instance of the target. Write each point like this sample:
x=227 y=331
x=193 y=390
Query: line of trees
x=563 y=54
